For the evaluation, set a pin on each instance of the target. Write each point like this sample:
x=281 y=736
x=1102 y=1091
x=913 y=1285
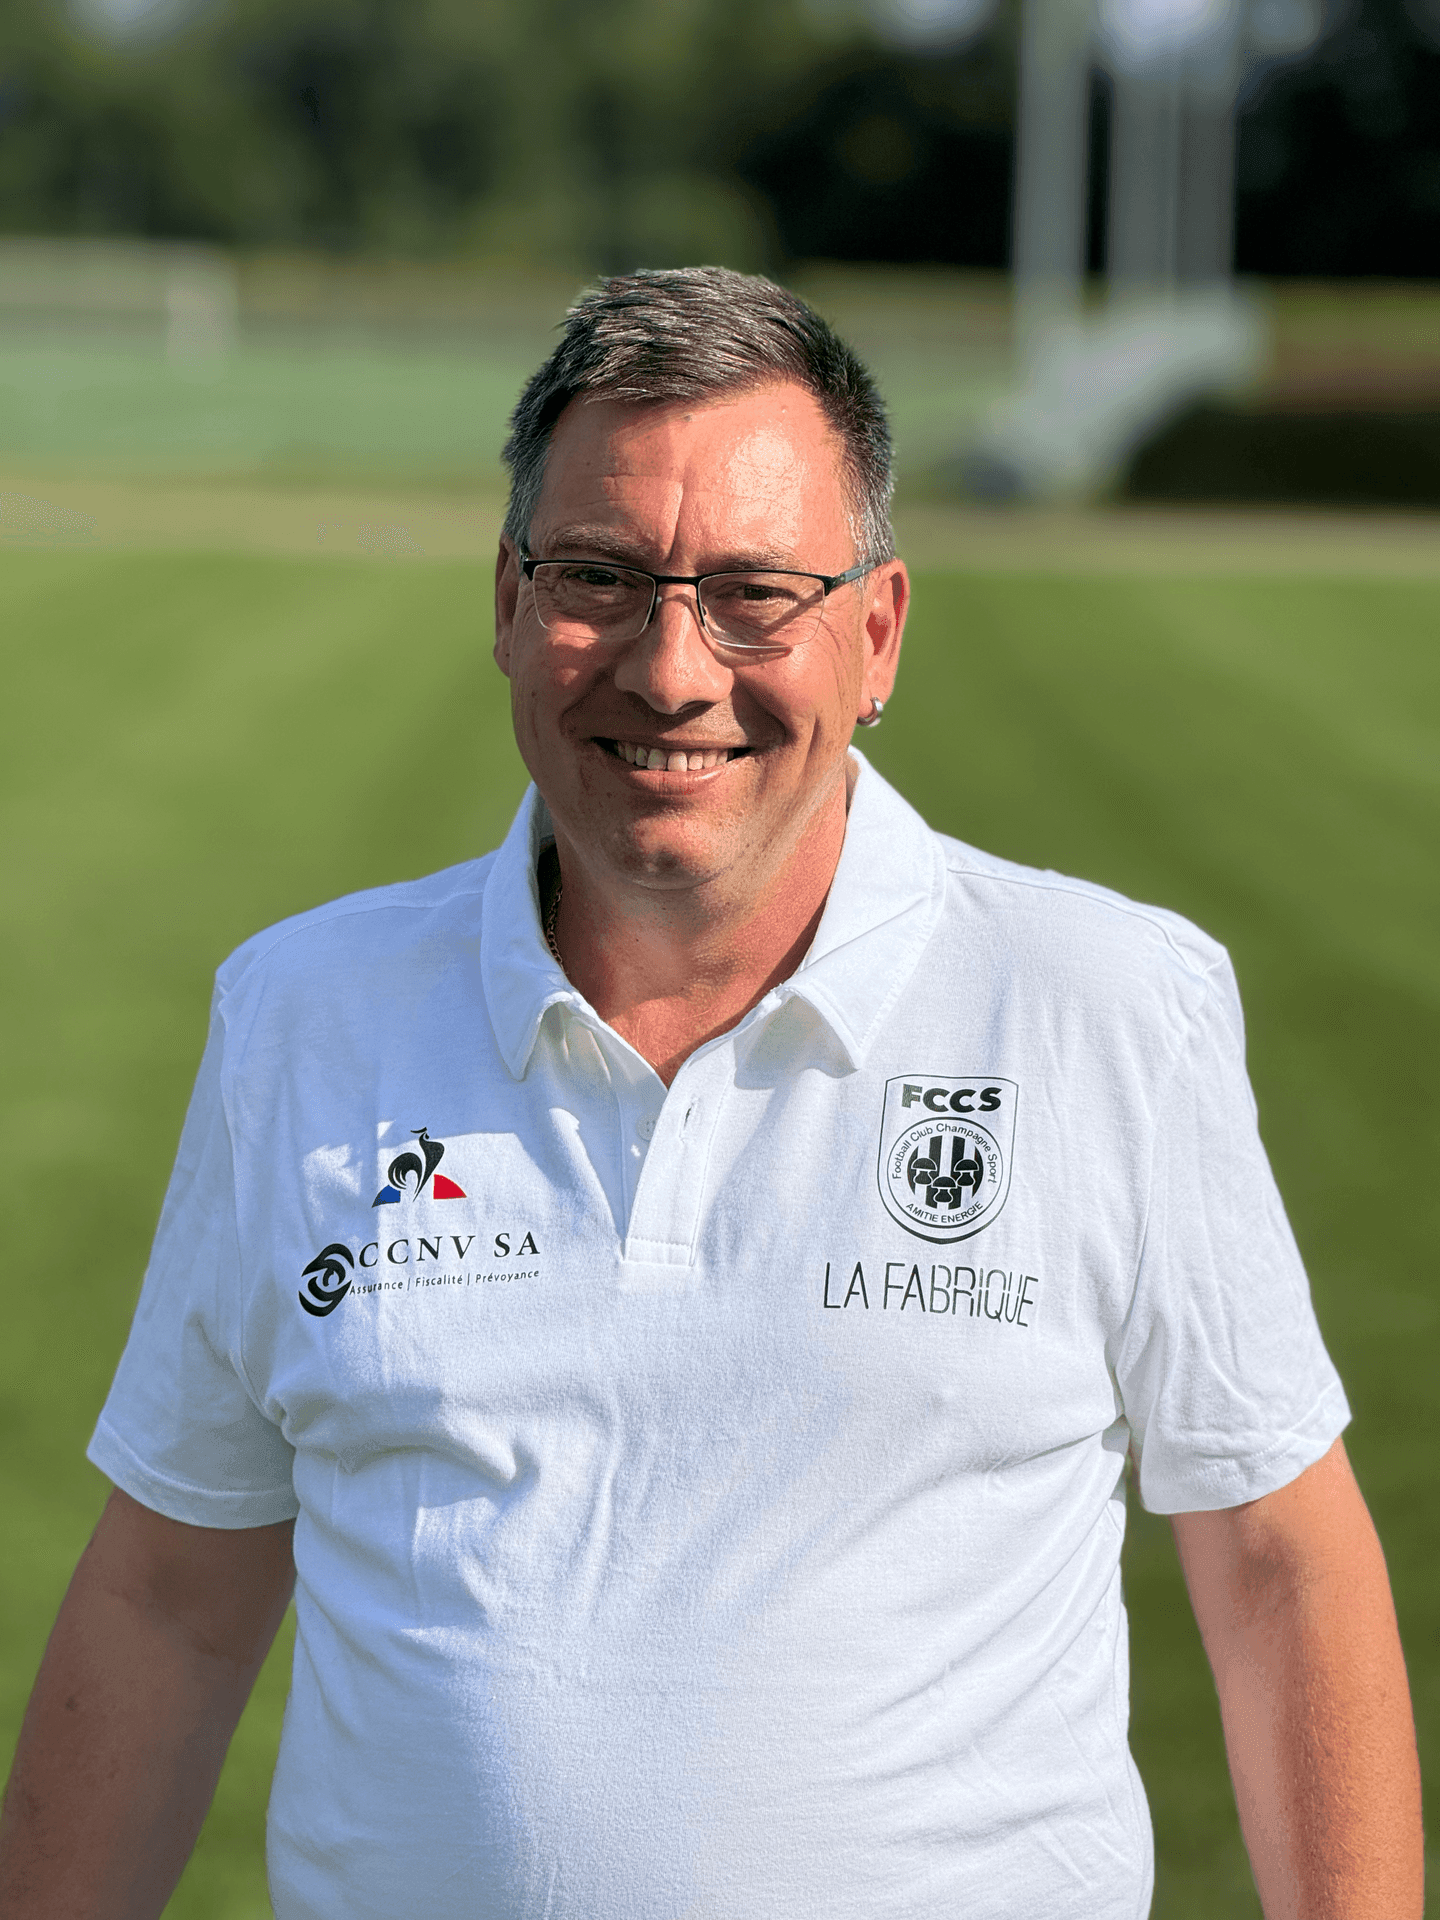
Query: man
x=692 y=1280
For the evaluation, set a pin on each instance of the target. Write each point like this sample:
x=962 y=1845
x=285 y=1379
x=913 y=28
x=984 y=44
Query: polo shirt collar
x=521 y=980
x=884 y=903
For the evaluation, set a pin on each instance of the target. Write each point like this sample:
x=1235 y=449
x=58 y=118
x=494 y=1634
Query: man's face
x=741 y=481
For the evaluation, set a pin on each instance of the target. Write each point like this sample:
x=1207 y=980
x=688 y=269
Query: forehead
x=760 y=470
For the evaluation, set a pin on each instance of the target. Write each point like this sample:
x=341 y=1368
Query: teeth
x=667 y=760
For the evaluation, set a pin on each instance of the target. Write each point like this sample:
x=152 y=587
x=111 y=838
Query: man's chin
x=661 y=853
x=661 y=847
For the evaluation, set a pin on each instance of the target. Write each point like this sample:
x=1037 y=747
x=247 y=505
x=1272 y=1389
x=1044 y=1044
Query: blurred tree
x=585 y=129
x=1339 y=157
x=362 y=121
x=886 y=155
x=88 y=141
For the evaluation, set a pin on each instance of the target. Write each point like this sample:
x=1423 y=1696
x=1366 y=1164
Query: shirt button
x=645 y=1128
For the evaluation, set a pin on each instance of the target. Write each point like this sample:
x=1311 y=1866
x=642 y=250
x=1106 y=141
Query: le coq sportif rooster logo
x=410 y=1172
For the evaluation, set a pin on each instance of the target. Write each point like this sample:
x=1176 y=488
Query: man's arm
x=1294 y=1607
x=153 y=1656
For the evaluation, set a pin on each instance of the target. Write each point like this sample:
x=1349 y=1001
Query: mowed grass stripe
x=200 y=744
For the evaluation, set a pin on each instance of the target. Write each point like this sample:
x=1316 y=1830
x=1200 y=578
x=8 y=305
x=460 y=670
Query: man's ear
x=507 y=593
x=887 y=601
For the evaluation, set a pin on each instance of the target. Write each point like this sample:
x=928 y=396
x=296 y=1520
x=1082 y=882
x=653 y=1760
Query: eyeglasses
x=760 y=611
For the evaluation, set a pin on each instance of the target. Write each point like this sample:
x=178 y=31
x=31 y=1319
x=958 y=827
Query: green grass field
x=200 y=743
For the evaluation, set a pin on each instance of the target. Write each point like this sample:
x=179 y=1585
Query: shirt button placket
x=665 y=1219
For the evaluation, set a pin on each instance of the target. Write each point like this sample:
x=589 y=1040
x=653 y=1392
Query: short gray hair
x=690 y=334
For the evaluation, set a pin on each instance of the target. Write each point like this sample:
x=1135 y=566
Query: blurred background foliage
x=591 y=133
x=596 y=133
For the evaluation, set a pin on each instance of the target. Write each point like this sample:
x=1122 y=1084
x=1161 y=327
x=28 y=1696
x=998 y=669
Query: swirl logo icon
x=945 y=1149
x=327 y=1279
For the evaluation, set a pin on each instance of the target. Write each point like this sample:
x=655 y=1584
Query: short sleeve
x=181 y=1431
x=1225 y=1381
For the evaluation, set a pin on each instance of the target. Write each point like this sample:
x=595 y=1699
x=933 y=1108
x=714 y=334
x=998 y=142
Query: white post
x=201 y=308
x=1172 y=164
x=1051 y=167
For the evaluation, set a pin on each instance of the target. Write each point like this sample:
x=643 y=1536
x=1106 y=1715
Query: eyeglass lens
x=596 y=602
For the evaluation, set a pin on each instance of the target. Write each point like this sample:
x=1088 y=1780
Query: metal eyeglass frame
x=828 y=583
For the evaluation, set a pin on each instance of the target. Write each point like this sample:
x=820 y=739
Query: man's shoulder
x=1079 y=921
x=376 y=926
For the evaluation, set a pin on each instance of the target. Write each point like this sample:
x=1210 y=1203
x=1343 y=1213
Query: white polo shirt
x=709 y=1502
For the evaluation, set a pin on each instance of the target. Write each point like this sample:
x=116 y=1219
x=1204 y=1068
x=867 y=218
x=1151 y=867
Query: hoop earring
x=872 y=719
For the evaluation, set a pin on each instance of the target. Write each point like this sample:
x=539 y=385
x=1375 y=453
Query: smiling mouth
x=672 y=759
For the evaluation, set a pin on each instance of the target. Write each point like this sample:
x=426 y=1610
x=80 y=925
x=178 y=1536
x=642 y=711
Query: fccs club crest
x=945 y=1150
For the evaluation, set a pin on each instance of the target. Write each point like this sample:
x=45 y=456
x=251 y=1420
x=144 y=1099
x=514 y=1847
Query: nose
x=671 y=666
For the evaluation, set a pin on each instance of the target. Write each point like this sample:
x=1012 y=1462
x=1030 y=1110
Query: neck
x=671 y=967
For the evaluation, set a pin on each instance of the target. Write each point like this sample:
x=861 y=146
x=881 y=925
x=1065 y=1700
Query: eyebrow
x=608 y=544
